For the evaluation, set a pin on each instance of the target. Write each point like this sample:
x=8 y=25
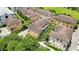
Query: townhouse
x=13 y=23
x=61 y=37
x=4 y=14
x=64 y=20
x=37 y=27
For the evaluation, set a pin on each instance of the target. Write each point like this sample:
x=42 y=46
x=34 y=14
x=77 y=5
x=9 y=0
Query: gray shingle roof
x=13 y=22
x=63 y=34
x=44 y=12
x=38 y=25
x=65 y=18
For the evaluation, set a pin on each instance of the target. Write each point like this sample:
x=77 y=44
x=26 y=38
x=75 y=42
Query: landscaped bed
x=45 y=33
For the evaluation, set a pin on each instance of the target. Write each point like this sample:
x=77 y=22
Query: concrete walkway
x=74 y=43
x=42 y=43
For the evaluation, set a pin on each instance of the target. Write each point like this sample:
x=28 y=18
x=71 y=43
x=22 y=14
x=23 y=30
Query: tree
x=77 y=21
x=22 y=16
x=42 y=49
x=12 y=37
x=9 y=8
x=76 y=27
x=28 y=44
x=45 y=33
x=11 y=45
x=1 y=44
x=20 y=47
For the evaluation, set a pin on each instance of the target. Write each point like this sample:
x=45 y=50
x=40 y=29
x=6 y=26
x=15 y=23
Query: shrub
x=10 y=38
x=42 y=49
x=9 y=8
x=22 y=16
x=11 y=45
x=77 y=21
x=30 y=43
x=1 y=44
x=45 y=33
x=20 y=47
x=13 y=37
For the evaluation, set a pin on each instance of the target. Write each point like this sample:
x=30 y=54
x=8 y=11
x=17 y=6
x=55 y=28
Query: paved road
x=42 y=43
x=75 y=37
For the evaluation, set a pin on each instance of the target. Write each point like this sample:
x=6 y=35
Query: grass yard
x=62 y=10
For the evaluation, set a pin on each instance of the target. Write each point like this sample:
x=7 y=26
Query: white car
x=23 y=33
x=4 y=32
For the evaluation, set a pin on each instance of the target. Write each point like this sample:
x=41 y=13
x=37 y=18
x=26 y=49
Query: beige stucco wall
x=33 y=34
x=62 y=23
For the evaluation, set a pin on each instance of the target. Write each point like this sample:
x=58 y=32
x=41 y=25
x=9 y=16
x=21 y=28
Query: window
x=60 y=40
x=28 y=8
x=70 y=37
x=40 y=17
x=1 y=22
x=57 y=39
x=63 y=23
x=70 y=26
x=64 y=46
x=6 y=16
x=67 y=25
x=53 y=40
x=12 y=28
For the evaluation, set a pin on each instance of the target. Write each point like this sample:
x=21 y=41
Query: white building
x=4 y=13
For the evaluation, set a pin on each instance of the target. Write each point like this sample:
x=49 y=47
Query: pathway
x=42 y=43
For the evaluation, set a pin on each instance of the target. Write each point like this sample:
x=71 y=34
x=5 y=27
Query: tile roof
x=65 y=19
x=13 y=22
x=38 y=25
x=45 y=13
x=63 y=33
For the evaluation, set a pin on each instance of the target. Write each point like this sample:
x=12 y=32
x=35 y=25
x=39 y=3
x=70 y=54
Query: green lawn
x=62 y=10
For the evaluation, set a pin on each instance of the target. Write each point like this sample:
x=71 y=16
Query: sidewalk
x=42 y=43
